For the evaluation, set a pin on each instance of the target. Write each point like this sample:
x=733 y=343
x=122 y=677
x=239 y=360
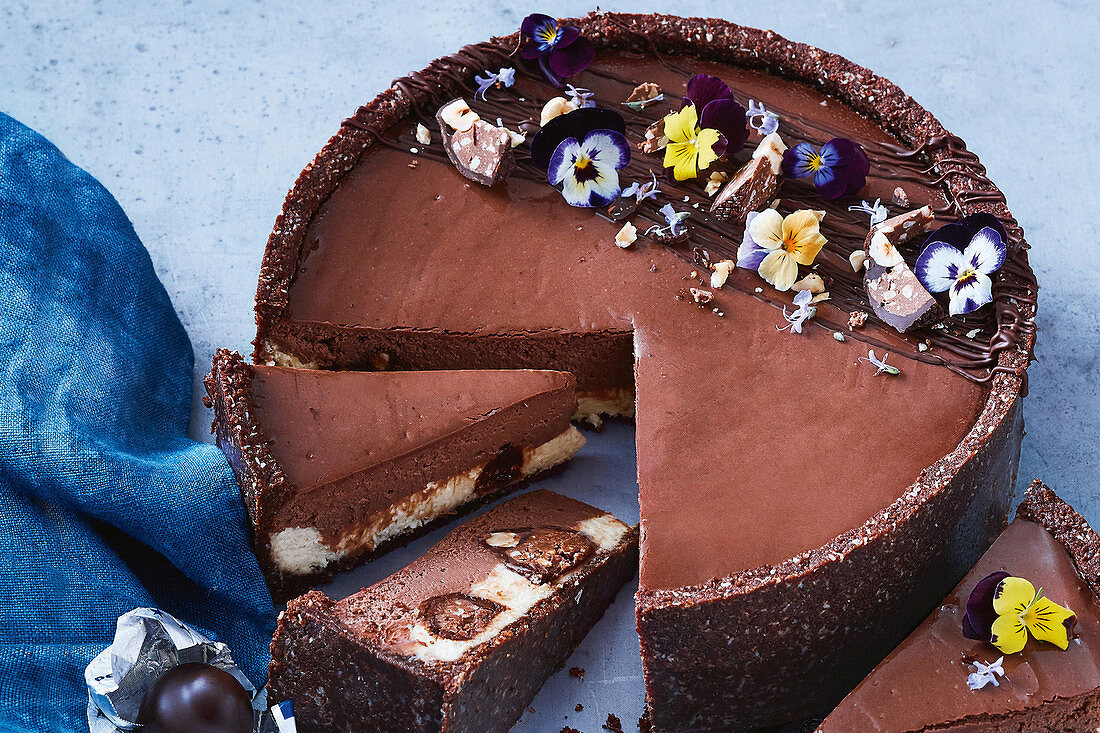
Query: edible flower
x=803 y=312
x=839 y=169
x=579 y=96
x=985 y=674
x=588 y=169
x=877 y=211
x=643 y=191
x=959 y=258
x=559 y=49
x=760 y=119
x=709 y=124
x=718 y=110
x=505 y=77
x=880 y=364
x=674 y=222
x=775 y=245
x=1003 y=609
x=576 y=123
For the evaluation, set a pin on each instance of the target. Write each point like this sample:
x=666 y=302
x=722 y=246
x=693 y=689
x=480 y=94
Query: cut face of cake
x=461 y=639
x=778 y=467
x=334 y=466
x=939 y=680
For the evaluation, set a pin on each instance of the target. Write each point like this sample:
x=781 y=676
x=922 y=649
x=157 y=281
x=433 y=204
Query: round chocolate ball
x=196 y=698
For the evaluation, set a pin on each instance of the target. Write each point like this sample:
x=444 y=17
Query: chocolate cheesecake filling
x=766 y=458
x=549 y=281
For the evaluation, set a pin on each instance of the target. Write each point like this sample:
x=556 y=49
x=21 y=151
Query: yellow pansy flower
x=690 y=148
x=1021 y=609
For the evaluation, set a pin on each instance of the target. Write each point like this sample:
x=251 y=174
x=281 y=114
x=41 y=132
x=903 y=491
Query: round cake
x=805 y=498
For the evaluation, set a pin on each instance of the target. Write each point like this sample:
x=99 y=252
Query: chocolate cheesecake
x=335 y=467
x=934 y=680
x=778 y=470
x=461 y=639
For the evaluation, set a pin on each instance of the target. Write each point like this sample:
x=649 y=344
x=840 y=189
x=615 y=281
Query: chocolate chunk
x=901 y=198
x=898 y=298
x=482 y=153
x=196 y=697
x=544 y=554
x=882 y=241
x=458 y=616
x=754 y=185
x=654 y=137
x=502 y=470
x=622 y=208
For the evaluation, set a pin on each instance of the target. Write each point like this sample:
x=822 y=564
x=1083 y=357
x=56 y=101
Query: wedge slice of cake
x=463 y=638
x=939 y=680
x=335 y=466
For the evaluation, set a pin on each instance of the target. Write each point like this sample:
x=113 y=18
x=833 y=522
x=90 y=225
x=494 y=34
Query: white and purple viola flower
x=588 y=168
x=959 y=258
x=560 y=50
x=839 y=169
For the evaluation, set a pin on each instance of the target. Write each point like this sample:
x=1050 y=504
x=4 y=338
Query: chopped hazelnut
x=423 y=134
x=627 y=236
x=555 y=107
x=721 y=273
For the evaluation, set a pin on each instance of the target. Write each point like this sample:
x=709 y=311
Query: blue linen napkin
x=105 y=503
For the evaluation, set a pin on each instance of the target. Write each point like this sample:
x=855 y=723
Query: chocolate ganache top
x=827 y=435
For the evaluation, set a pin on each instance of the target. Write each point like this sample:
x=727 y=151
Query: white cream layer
x=301 y=550
x=514 y=592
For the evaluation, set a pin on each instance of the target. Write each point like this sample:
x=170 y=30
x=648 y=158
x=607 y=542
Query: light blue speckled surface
x=198 y=116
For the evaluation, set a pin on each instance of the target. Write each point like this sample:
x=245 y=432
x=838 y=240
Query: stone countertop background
x=199 y=115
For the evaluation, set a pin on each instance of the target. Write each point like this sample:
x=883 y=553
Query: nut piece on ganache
x=544 y=554
x=754 y=185
x=480 y=151
x=895 y=294
x=458 y=616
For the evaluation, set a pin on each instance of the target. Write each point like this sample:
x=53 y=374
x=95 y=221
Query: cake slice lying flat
x=461 y=639
x=923 y=684
x=333 y=466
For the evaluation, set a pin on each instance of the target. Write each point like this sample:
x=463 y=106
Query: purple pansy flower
x=840 y=169
x=575 y=124
x=977 y=622
x=588 y=168
x=560 y=49
x=959 y=258
x=713 y=99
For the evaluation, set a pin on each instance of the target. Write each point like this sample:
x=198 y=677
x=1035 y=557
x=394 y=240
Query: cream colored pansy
x=775 y=245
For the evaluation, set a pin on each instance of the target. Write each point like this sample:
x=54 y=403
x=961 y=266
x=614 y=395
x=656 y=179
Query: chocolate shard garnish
x=754 y=185
x=480 y=151
x=894 y=292
x=622 y=208
x=898 y=298
x=882 y=241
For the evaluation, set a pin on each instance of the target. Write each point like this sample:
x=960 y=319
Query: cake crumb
x=613 y=724
x=579 y=707
x=577 y=672
x=856 y=319
x=567 y=729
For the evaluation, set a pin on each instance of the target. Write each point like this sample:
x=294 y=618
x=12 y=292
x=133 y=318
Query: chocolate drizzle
x=940 y=163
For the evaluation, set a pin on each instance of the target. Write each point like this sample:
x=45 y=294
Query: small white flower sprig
x=674 y=222
x=803 y=312
x=880 y=364
x=642 y=191
x=760 y=119
x=877 y=211
x=505 y=77
x=985 y=674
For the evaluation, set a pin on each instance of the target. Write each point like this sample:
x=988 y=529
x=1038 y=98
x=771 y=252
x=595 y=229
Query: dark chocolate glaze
x=926 y=167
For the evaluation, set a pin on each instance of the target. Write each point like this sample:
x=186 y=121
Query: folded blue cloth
x=105 y=503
